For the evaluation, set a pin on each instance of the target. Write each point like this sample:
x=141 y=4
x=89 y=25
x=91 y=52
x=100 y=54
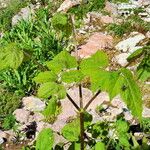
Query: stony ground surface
x=94 y=39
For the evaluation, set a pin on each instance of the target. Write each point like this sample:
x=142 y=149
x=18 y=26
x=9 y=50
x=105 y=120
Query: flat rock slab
x=97 y=41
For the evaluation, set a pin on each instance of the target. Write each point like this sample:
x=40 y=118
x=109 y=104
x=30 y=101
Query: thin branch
x=80 y=95
x=92 y=99
x=72 y=101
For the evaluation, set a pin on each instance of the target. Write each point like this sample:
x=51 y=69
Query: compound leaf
x=131 y=94
x=47 y=76
x=51 y=107
x=45 y=140
x=71 y=131
x=62 y=61
x=10 y=57
x=72 y=76
x=100 y=146
x=97 y=61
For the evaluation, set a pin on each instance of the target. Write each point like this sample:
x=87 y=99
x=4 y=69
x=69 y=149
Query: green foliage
x=146 y=124
x=118 y=29
x=6 y=14
x=98 y=61
x=143 y=71
x=46 y=76
x=62 y=62
x=72 y=76
x=100 y=146
x=131 y=94
x=10 y=57
x=122 y=128
x=51 y=89
x=45 y=140
x=92 y=5
x=60 y=22
x=8 y=122
x=71 y=131
x=8 y=102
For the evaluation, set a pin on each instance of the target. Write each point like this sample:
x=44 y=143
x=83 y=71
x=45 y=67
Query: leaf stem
x=92 y=99
x=72 y=101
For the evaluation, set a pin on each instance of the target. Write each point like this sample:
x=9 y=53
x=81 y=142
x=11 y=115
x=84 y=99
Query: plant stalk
x=82 y=129
x=91 y=100
x=72 y=101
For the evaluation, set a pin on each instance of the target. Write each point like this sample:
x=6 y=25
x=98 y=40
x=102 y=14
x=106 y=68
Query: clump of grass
x=7 y=13
x=8 y=102
x=118 y=29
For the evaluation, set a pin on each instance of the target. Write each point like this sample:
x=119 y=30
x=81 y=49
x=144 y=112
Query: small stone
x=33 y=104
x=146 y=112
x=22 y=115
x=41 y=125
x=97 y=41
x=111 y=8
x=130 y=43
x=1 y=140
x=67 y=4
x=121 y=59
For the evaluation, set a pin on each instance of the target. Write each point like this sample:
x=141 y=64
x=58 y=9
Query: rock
x=3 y=134
x=67 y=4
x=111 y=8
x=33 y=104
x=22 y=115
x=97 y=41
x=41 y=125
x=146 y=112
x=100 y=17
x=121 y=59
x=129 y=44
x=37 y=117
x=141 y=2
x=25 y=14
x=10 y=135
x=1 y=140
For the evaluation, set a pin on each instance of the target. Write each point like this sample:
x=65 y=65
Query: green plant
x=25 y=48
x=6 y=14
x=143 y=69
x=64 y=68
x=8 y=122
x=9 y=102
x=146 y=124
x=118 y=29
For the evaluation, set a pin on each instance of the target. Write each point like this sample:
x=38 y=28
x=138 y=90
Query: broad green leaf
x=135 y=54
x=51 y=107
x=100 y=146
x=59 y=20
x=47 y=89
x=87 y=119
x=45 y=140
x=143 y=74
x=47 y=76
x=71 y=131
x=110 y=82
x=124 y=140
x=122 y=126
x=74 y=146
x=62 y=61
x=51 y=89
x=72 y=76
x=131 y=94
x=97 y=61
x=10 y=57
x=61 y=92
x=98 y=79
